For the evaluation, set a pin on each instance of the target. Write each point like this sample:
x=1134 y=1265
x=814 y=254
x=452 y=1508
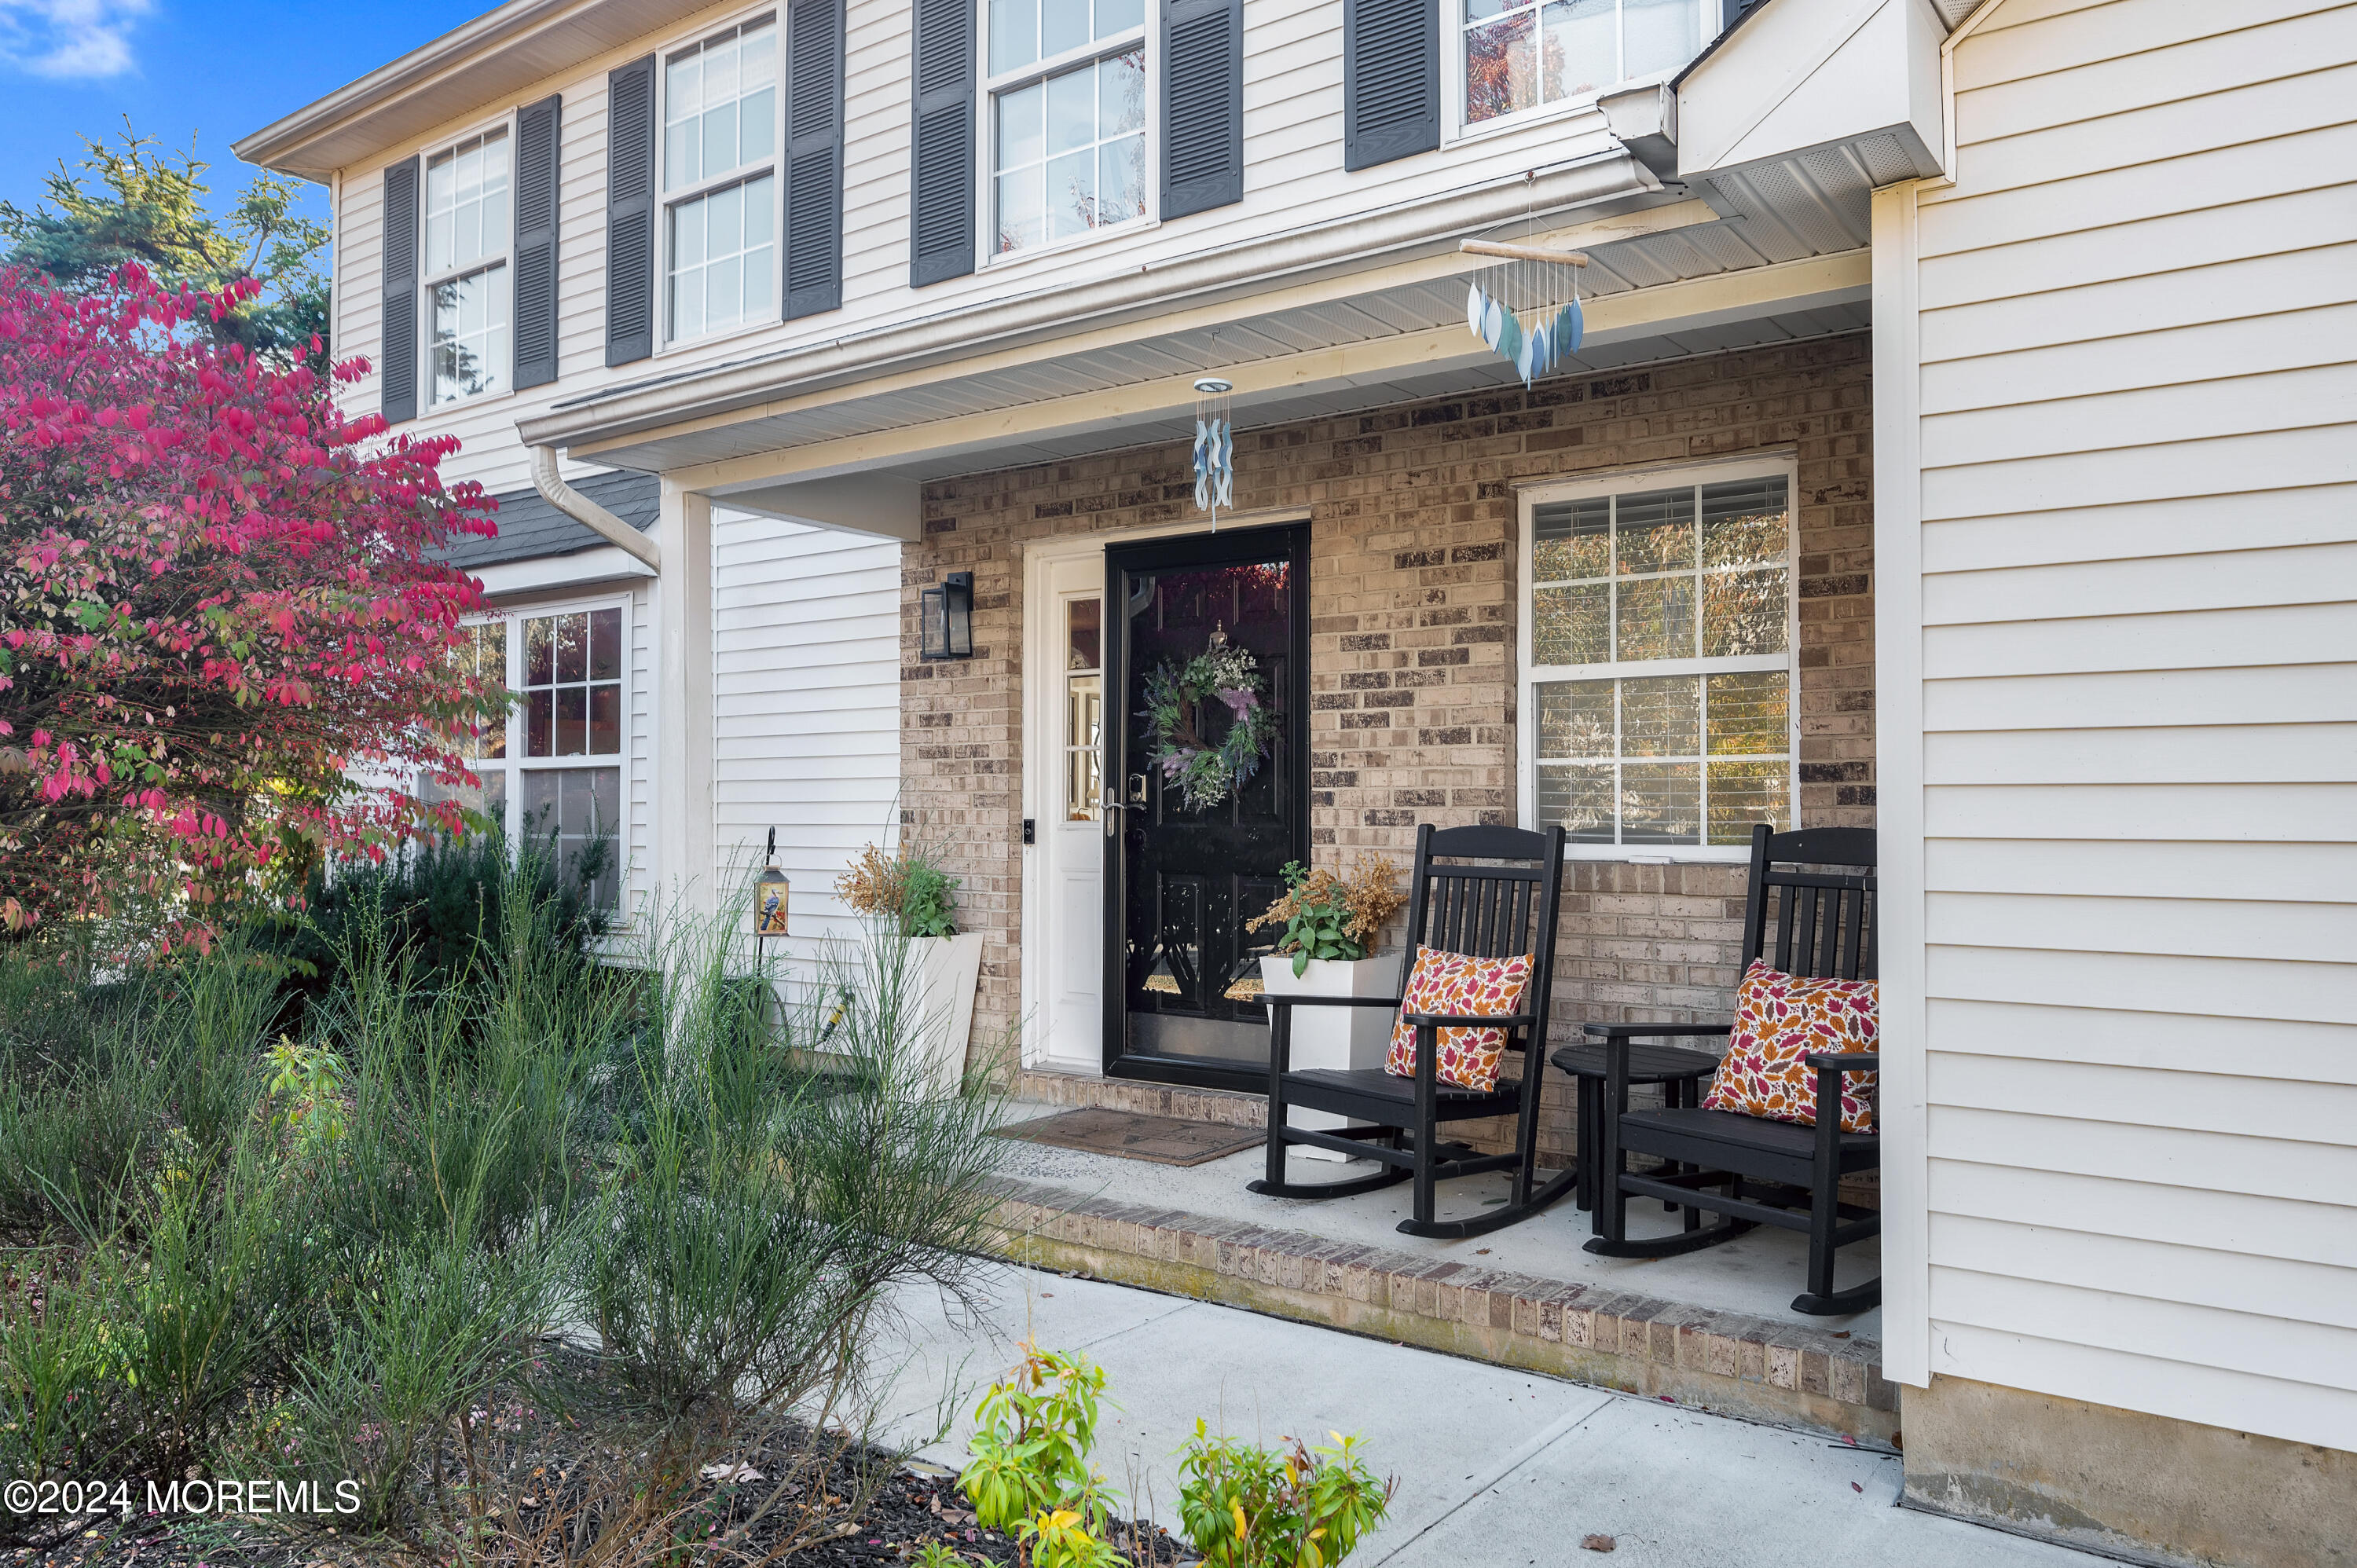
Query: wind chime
x=1526 y=308
x=1215 y=448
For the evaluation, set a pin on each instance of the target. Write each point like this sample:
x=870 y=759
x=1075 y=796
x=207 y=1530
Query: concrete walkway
x=1496 y=1466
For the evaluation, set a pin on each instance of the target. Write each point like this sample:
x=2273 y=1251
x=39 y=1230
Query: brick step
x=1727 y=1362
x=1074 y=1090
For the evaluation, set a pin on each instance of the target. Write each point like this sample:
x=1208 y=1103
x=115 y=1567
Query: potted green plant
x=1331 y=922
x=913 y=897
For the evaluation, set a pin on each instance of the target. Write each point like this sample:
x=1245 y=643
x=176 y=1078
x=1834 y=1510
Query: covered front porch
x=1405 y=467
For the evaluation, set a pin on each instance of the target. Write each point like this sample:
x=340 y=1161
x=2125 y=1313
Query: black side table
x=1680 y=1072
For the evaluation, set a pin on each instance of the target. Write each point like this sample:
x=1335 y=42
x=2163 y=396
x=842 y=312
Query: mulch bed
x=912 y=1508
x=756 y=1496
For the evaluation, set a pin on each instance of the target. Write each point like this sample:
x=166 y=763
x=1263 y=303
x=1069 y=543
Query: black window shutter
x=536 y=243
x=814 y=158
x=941 y=176
x=397 y=373
x=631 y=212
x=1391 y=80
x=1204 y=98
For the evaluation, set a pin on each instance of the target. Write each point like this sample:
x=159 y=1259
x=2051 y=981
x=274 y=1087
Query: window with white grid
x=1524 y=55
x=1657 y=707
x=720 y=189
x=551 y=773
x=1066 y=84
x=467 y=281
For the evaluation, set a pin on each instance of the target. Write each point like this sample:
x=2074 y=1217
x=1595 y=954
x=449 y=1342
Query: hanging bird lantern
x=1526 y=308
x=1215 y=448
x=770 y=896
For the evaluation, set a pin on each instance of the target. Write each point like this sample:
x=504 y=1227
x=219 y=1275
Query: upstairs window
x=467 y=281
x=1067 y=119
x=1526 y=55
x=1658 y=687
x=720 y=188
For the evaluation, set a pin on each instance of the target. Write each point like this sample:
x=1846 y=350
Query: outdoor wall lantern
x=945 y=612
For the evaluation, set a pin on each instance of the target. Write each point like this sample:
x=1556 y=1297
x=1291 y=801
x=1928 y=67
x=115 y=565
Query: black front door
x=1207 y=668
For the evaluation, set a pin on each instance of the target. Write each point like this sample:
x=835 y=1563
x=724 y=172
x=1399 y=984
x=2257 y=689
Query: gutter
x=967 y=330
x=589 y=514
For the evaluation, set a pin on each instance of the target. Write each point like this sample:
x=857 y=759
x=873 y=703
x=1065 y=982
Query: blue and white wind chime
x=1215 y=448
x=1527 y=307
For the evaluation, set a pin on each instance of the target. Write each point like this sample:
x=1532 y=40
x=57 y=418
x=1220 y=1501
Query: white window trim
x=428 y=281
x=515 y=761
x=1455 y=128
x=665 y=200
x=1621 y=482
x=1147 y=36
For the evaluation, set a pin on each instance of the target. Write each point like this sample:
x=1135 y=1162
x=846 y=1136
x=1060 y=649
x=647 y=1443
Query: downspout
x=589 y=514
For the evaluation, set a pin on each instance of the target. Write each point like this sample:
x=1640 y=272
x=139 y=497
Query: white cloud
x=68 y=38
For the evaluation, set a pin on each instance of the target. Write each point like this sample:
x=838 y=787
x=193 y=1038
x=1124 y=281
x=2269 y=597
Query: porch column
x=682 y=868
x=1899 y=773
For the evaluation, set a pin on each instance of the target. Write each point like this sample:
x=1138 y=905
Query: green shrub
x=433 y=1327
x=760 y=1214
x=320 y=1238
x=63 y=1371
x=443 y=902
x=205 y=1299
x=1244 y=1505
x=72 y=1139
x=1028 y=1470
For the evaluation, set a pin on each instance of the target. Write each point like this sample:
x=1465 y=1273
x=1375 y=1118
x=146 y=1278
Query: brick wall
x=1412 y=617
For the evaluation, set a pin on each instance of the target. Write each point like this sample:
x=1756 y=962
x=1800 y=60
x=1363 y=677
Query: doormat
x=1132 y=1135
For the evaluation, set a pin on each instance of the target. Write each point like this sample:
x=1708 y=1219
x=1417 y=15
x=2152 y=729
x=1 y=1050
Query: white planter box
x=943 y=972
x=1334 y=1038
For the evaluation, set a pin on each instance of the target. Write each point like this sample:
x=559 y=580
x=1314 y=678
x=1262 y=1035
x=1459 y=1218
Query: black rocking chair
x=1821 y=882
x=1494 y=898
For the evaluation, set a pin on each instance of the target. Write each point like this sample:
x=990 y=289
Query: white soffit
x=1387 y=345
x=1801 y=75
x=504 y=51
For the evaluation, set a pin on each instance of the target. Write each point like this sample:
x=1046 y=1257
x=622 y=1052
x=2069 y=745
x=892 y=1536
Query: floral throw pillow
x=1459 y=984
x=1780 y=1020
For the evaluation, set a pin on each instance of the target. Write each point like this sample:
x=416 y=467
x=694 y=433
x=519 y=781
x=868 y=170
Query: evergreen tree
x=133 y=201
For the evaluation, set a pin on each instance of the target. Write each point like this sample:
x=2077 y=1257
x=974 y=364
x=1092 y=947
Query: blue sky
x=74 y=68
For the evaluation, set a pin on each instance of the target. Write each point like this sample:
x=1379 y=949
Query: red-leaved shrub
x=221 y=614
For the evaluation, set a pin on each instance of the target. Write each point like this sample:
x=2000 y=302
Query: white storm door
x=1070 y=644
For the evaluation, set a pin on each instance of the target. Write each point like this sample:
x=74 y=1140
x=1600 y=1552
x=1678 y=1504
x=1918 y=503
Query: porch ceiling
x=1705 y=280
x=1487 y=373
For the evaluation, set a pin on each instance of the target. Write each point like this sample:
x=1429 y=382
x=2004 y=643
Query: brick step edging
x=1728 y=1363
x=1223 y=1106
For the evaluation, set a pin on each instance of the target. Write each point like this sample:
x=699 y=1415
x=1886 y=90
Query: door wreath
x=1175 y=707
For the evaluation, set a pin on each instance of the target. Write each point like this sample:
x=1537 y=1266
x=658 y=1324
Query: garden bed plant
x=530 y=1258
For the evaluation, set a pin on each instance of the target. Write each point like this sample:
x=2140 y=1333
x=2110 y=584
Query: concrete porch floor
x=1713 y=1329
x=1757 y=1274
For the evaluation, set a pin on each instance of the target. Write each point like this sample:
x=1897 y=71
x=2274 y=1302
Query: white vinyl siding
x=2138 y=336
x=806 y=712
x=1293 y=177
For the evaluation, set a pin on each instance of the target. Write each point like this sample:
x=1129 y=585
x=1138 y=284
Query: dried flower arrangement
x=908 y=887
x=1328 y=914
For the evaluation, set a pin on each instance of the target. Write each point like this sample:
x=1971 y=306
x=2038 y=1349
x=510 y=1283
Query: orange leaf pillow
x=1465 y=986
x=1780 y=1020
